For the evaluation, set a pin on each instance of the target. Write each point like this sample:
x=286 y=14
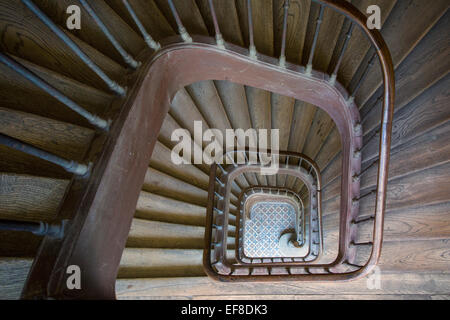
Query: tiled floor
x=268 y=221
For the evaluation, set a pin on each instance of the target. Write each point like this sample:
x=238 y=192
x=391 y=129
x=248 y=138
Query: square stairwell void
x=265 y=223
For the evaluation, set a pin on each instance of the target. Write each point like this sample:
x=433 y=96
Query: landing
x=266 y=223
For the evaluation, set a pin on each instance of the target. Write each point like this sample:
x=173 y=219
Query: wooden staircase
x=163 y=254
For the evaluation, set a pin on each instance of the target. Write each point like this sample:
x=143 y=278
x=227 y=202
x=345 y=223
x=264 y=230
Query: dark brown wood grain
x=423 y=67
x=36 y=44
x=402 y=36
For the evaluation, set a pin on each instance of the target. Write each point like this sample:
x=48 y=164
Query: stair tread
x=161 y=160
x=327 y=38
x=428 y=186
x=156 y=234
x=424 y=113
x=262 y=12
x=17 y=162
x=414 y=75
x=426 y=151
x=13 y=273
x=166 y=185
x=157 y=262
x=206 y=98
x=151 y=206
x=392 y=283
x=227 y=18
x=423 y=256
x=149 y=15
x=399 y=26
x=17 y=92
x=296 y=32
x=19 y=244
x=189 y=14
x=39 y=45
x=91 y=33
x=60 y=138
x=358 y=45
x=420 y=223
x=321 y=127
x=30 y=198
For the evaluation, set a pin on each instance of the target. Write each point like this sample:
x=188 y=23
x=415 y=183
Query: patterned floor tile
x=268 y=221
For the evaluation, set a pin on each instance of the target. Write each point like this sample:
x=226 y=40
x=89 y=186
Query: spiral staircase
x=85 y=114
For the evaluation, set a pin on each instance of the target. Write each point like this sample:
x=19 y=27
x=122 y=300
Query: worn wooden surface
x=166 y=234
x=392 y=284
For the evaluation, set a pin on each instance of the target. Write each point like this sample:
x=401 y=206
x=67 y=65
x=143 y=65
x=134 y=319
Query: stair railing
x=215 y=260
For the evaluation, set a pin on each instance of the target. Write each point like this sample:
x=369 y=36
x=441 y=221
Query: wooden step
x=13 y=274
x=399 y=26
x=19 y=94
x=192 y=185
x=199 y=287
x=149 y=15
x=417 y=140
x=428 y=150
x=130 y=40
x=423 y=67
x=17 y=162
x=161 y=160
x=321 y=127
x=209 y=108
x=426 y=112
x=206 y=98
x=358 y=45
x=327 y=38
x=262 y=14
x=40 y=46
x=19 y=244
x=91 y=33
x=154 y=207
x=185 y=112
x=282 y=114
x=301 y=122
x=155 y=234
x=189 y=14
x=63 y=139
x=413 y=256
x=420 y=188
x=141 y=263
x=227 y=18
x=425 y=151
x=330 y=231
x=297 y=23
x=331 y=190
x=332 y=170
x=259 y=105
x=419 y=223
x=165 y=136
x=30 y=198
x=234 y=102
x=163 y=184
x=429 y=186
x=329 y=149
